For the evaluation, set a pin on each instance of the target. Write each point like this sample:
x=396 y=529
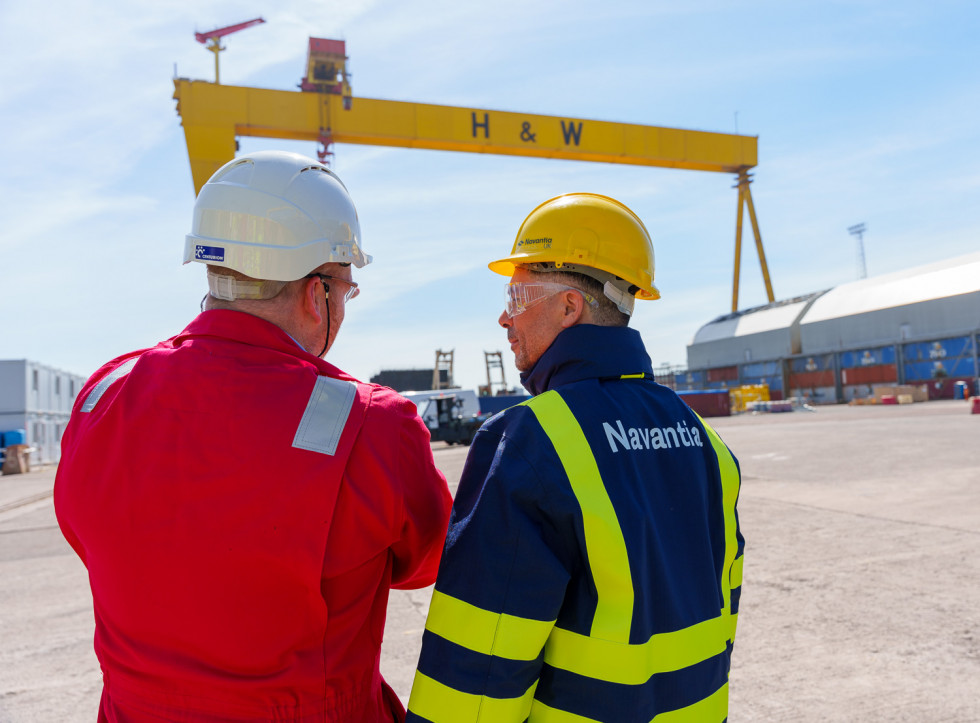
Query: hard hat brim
x=507 y=265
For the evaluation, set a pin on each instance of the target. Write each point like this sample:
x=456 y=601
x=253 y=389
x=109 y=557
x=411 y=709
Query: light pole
x=858 y=230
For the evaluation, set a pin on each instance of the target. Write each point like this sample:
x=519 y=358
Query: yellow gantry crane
x=324 y=110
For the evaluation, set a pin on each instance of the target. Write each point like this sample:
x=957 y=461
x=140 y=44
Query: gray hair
x=604 y=312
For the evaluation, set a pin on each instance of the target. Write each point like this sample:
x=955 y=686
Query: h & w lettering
x=485 y=125
x=571 y=132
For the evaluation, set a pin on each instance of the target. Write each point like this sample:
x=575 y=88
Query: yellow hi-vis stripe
x=636 y=664
x=731 y=575
x=437 y=702
x=712 y=709
x=506 y=636
x=542 y=713
x=737 y=572
x=606 y=548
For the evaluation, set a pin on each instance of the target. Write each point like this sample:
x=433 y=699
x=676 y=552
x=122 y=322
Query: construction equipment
x=742 y=397
x=212 y=41
x=446 y=423
x=324 y=110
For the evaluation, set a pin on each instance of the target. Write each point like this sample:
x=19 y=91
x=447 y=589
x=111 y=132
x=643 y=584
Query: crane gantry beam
x=214 y=115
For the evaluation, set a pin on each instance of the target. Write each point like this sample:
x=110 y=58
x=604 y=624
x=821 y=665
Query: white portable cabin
x=37 y=399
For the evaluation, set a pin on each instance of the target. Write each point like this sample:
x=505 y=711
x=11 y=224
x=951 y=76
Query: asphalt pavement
x=861 y=595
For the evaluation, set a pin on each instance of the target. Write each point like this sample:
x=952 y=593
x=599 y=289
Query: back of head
x=592 y=236
x=272 y=217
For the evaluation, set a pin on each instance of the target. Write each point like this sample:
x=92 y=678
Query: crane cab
x=326 y=68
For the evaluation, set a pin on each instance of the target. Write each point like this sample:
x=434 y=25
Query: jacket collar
x=244 y=328
x=587 y=351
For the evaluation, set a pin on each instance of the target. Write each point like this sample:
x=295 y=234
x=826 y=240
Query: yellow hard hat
x=585 y=233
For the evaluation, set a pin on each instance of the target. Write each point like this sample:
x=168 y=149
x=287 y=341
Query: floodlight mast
x=858 y=230
x=212 y=40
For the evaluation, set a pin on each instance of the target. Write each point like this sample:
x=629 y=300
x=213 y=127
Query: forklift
x=445 y=422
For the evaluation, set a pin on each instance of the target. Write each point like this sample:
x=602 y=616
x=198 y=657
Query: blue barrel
x=14 y=436
x=959 y=390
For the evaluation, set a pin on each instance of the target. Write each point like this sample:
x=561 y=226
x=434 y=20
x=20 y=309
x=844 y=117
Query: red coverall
x=242 y=508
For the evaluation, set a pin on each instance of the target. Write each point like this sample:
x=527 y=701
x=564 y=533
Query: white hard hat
x=274 y=215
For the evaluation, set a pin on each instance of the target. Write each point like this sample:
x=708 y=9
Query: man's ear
x=573 y=308
x=310 y=299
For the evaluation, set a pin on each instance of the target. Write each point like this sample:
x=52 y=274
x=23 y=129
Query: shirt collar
x=246 y=328
x=587 y=351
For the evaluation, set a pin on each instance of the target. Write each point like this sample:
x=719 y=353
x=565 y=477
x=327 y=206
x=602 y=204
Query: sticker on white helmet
x=209 y=253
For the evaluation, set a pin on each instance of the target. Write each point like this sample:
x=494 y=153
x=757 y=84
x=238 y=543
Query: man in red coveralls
x=242 y=506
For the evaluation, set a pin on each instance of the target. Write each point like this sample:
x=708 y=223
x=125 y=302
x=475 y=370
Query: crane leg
x=738 y=245
x=758 y=243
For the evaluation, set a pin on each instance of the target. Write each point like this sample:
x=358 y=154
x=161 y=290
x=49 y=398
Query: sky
x=865 y=112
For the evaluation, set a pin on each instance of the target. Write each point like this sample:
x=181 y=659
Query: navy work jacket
x=592 y=568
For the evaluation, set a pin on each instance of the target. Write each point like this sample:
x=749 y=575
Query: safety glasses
x=522 y=296
x=352 y=289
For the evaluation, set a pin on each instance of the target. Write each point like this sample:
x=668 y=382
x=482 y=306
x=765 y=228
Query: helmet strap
x=614 y=288
x=326 y=298
x=620 y=297
x=229 y=288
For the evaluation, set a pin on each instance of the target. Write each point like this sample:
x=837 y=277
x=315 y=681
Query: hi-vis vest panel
x=511 y=667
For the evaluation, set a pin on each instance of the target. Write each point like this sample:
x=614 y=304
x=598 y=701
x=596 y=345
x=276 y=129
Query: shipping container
x=814 y=363
x=959 y=346
x=723 y=374
x=867 y=357
x=493 y=404
x=946 y=388
x=815 y=395
x=806 y=380
x=879 y=373
x=708 y=403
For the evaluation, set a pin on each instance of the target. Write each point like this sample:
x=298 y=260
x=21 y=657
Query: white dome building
x=917 y=326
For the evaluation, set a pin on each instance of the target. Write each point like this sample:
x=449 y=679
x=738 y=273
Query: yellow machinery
x=740 y=397
x=324 y=110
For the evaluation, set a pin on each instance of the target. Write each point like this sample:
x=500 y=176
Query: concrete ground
x=861 y=598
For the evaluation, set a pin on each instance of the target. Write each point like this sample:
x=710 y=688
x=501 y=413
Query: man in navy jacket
x=593 y=564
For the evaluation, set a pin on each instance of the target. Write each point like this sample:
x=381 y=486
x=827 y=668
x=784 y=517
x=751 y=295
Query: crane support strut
x=745 y=199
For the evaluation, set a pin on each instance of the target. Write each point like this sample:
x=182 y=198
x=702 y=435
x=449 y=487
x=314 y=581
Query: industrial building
x=37 y=399
x=403 y=380
x=920 y=326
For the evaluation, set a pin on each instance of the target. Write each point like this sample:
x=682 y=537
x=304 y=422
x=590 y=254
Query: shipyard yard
x=861 y=596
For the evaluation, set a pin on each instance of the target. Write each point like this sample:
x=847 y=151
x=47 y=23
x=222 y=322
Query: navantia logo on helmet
x=545 y=243
x=209 y=253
